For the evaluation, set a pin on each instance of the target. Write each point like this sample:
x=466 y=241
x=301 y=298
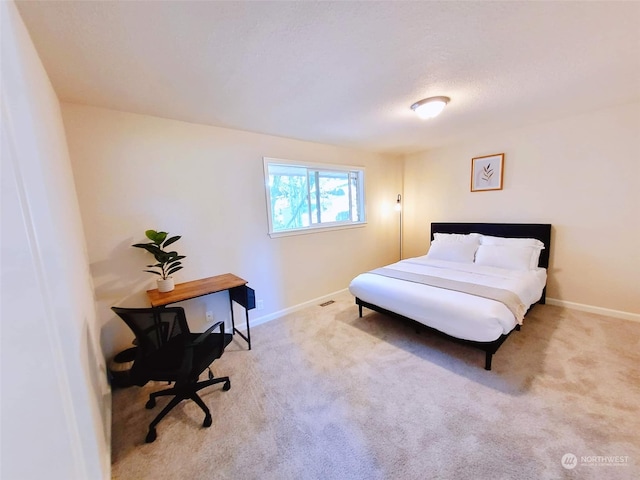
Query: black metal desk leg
x=245 y=297
x=233 y=323
x=246 y=338
x=246 y=312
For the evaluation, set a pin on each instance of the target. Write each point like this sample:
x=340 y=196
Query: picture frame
x=486 y=172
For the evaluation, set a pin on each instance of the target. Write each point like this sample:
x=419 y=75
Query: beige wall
x=55 y=396
x=136 y=172
x=581 y=174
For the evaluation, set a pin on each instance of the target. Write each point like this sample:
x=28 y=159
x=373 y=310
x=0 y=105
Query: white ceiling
x=342 y=73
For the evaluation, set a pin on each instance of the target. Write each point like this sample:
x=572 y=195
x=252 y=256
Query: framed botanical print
x=486 y=172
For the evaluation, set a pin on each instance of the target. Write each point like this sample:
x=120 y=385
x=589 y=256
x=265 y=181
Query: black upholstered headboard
x=540 y=231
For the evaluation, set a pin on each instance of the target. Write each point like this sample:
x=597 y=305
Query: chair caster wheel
x=151 y=436
x=150 y=404
x=207 y=421
x=226 y=386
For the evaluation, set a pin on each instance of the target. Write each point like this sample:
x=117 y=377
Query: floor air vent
x=329 y=302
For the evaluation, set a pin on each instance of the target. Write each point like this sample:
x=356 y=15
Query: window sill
x=320 y=229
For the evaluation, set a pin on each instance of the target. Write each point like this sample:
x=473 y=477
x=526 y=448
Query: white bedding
x=457 y=314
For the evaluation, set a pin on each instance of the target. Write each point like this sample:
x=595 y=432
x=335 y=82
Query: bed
x=474 y=286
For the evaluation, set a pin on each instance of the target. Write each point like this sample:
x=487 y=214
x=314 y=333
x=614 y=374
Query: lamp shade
x=430 y=107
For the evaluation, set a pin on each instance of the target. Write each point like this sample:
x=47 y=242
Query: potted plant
x=168 y=262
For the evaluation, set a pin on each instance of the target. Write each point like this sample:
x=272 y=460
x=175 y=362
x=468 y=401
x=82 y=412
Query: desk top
x=195 y=288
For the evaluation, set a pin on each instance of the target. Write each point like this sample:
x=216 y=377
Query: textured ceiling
x=342 y=73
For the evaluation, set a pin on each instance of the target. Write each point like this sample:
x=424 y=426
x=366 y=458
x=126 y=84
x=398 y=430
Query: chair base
x=179 y=393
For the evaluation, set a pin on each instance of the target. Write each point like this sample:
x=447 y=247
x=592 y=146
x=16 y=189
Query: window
x=302 y=197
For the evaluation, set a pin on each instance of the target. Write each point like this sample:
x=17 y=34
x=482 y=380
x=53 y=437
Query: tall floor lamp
x=399 y=209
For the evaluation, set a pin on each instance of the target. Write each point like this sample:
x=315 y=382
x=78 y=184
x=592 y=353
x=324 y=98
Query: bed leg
x=487 y=361
x=518 y=327
x=360 y=310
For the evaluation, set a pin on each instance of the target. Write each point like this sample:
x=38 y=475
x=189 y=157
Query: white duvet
x=457 y=314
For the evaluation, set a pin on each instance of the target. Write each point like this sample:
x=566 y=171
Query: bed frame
x=540 y=231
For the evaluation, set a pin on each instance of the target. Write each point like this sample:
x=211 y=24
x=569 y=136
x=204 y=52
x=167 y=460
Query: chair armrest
x=200 y=338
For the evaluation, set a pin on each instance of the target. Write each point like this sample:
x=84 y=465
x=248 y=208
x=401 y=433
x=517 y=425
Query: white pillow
x=452 y=251
x=516 y=242
x=473 y=238
x=506 y=256
x=537 y=246
x=535 y=257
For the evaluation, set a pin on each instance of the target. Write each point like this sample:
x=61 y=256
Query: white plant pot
x=165 y=285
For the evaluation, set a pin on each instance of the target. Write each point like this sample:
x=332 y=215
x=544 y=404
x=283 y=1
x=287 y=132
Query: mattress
x=460 y=315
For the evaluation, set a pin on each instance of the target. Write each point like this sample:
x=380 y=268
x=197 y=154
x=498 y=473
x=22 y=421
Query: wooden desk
x=236 y=286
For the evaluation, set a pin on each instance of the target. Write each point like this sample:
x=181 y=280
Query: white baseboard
x=551 y=301
x=281 y=313
x=591 y=309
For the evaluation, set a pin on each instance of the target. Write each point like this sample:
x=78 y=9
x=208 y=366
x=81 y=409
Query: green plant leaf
x=174 y=269
x=171 y=240
x=162 y=257
x=153 y=271
x=156 y=237
x=146 y=246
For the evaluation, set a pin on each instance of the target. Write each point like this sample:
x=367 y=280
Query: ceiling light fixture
x=430 y=107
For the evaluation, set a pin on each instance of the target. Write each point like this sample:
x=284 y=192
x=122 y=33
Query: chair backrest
x=153 y=327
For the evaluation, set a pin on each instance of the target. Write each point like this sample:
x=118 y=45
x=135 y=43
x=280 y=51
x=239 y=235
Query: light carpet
x=325 y=394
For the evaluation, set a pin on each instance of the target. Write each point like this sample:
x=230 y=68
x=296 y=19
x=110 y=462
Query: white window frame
x=315 y=227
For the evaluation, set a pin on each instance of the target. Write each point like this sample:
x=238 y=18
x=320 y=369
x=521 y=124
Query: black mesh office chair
x=168 y=351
